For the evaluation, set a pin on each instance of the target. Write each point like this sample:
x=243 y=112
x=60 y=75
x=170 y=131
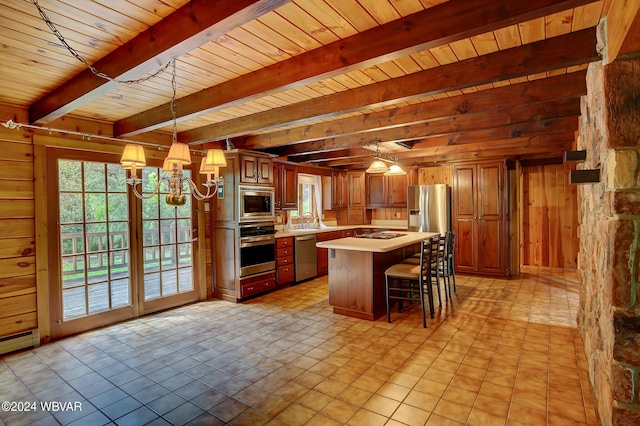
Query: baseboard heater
x=18 y=341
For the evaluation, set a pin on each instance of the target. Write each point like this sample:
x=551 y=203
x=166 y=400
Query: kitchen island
x=356 y=270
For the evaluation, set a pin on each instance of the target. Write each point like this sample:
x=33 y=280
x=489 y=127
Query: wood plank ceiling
x=313 y=80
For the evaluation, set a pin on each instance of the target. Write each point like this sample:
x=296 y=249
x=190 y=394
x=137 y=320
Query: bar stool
x=403 y=281
x=443 y=263
x=438 y=265
x=437 y=248
x=451 y=270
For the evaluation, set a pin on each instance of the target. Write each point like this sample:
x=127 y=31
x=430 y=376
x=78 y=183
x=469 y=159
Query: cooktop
x=380 y=235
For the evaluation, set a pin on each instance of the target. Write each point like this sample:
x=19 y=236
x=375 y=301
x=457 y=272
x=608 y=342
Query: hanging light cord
x=77 y=55
x=173 y=102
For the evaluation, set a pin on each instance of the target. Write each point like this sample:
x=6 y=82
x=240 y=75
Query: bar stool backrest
x=435 y=251
x=425 y=260
x=452 y=243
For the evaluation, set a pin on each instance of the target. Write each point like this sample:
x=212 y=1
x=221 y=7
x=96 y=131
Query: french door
x=113 y=256
x=167 y=248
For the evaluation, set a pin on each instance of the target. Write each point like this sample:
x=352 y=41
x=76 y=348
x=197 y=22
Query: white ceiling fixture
x=379 y=164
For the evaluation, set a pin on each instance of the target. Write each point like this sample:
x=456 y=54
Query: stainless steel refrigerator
x=429 y=208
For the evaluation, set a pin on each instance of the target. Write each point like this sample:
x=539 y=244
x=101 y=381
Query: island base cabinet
x=322 y=261
x=322 y=254
x=351 y=288
x=356 y=281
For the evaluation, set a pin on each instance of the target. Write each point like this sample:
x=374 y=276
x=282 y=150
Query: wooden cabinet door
x=248 y=169
x=397 y=191
x=289 y=186
x=339 y=190
x=355 y=189
x=464 y=217
x=376 y=184
x=277 y=186
x=256 y=170
x=264 y=167
x=491 y=257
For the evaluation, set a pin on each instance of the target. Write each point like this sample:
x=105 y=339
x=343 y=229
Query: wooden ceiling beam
x=505 y=145
x=623 y=29
x=196 y=23
x=515 y=153
x=514 y=120
x=438 y=25
x=538 y=57
x=321 y=156
x=562 y=125
x=552 y=144
x=542 y=90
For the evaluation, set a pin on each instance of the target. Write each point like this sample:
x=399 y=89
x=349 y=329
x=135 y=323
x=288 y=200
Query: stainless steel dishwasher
x=305 y=257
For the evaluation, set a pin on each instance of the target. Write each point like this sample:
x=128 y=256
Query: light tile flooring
x=501 y=352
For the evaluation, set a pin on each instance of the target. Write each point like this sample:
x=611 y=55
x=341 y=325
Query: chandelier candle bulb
x=167 y=166
x=179 y=153
x=132 y=158
x=209 y=170
x=215 y=157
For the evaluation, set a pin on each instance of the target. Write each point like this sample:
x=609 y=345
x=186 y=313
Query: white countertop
x=374 y=245
x=307 y=231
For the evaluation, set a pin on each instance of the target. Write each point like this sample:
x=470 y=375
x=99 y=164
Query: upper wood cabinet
x=397 y=191
x=386 y=191
x=285 y=183
x=339 y=192
x=256 y=170
x=480 y=218
x=356 y=189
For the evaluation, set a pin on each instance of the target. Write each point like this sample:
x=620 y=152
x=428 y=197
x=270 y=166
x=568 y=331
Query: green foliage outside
x=94 y=211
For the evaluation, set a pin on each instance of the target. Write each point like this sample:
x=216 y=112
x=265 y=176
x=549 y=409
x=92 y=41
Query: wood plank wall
x=549 y=217
x=18 y=306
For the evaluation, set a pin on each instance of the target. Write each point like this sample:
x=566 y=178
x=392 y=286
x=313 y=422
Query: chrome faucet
x=306 y=219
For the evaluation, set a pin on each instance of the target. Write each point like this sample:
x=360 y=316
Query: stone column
x=609 y=231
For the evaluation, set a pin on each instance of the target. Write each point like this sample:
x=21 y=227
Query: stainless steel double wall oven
x=257 y=248
x=257 y=232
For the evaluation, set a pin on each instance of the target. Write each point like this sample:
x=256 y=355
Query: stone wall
x=609 y=232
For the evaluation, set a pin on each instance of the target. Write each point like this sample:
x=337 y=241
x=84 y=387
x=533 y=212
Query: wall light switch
x=397 y=215
x=278 y=219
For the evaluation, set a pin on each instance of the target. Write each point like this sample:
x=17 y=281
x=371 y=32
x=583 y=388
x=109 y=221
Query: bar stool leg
x=424 y=316
x=386 y=292
x=429 y=290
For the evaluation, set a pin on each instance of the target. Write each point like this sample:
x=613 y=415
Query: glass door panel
x=93 y=281
x=94 y=275
x=167 y=246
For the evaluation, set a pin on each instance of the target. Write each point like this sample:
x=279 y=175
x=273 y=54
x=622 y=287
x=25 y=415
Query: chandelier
x=379 y=165
x=179 y=156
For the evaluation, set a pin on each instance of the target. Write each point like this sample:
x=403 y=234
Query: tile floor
x=501 y=352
